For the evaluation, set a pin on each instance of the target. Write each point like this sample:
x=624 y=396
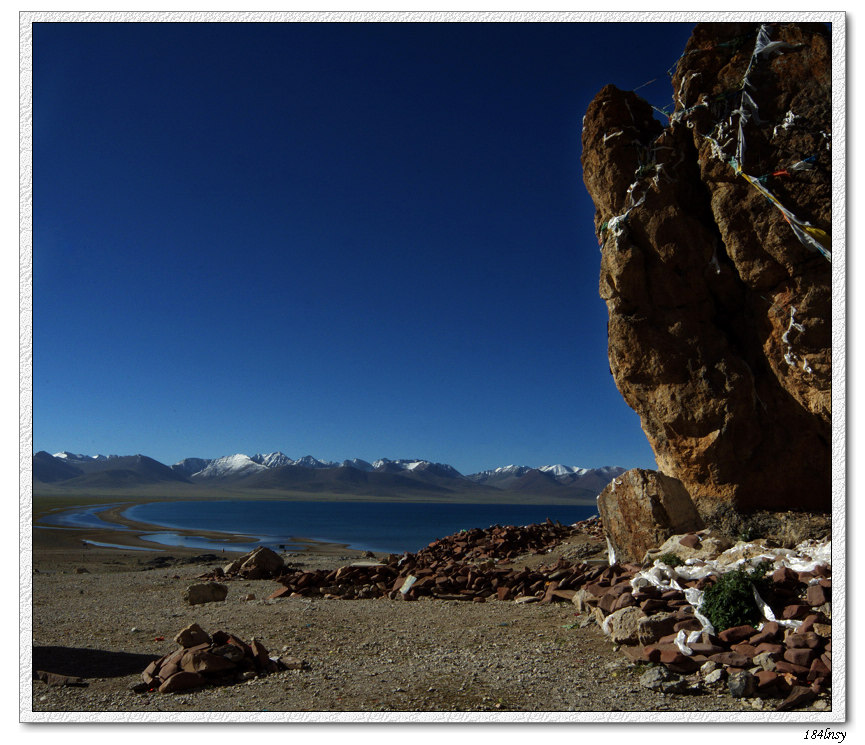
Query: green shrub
x=670 y=559
x=730 y=601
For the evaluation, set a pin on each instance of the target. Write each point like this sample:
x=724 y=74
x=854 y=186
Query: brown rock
x=260 y=563
x=799 y=696
x=654 y=627
x=624 y=625
x=191 y=636
x=783 y=666
x=818 y=670
x=817 y=595
x=688 y=624
x=737 y=634
x=56 y=679
x=181 y=681
x=795 y=611
x=202 y=661
x=799 y=656
x=744 y=649
x=801 y=640
x=767 y=634
x=205 y=592
x=731 y=659
x=640 y=509
x=768 y=685
x=723 y=348
x=691 y=540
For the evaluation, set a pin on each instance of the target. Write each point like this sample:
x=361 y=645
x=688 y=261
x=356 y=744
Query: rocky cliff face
x=715 y=263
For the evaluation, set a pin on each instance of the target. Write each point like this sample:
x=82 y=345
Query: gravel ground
x=106 y=624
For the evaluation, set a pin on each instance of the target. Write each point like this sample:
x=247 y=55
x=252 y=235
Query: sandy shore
x=62 y=543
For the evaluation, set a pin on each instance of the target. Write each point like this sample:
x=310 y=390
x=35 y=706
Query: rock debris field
x=503 y=620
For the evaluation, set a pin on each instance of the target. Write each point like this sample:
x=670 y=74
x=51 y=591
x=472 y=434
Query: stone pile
x=204 y=658
x=498 y=542
x=471 y=565
x=658 y=625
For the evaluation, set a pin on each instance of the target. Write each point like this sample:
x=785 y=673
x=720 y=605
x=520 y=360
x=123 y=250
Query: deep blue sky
x=349 y=240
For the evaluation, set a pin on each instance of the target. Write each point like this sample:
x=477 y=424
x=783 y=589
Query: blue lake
x=365 y=526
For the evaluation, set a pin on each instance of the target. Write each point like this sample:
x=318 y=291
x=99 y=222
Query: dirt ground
x=104 y=614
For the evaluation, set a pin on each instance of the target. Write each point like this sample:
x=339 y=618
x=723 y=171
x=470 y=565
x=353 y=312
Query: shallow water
x=365 y=526
x=83 y=516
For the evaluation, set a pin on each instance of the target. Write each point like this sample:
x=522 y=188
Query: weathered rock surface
x=719 y=315
x=640 y=509
x=205 y=592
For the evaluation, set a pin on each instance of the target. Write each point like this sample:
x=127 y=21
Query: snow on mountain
x=358 y=463
x=560 y=470
x=188 y=466
x=309 y=462
x=441 y=469
x=73 y=457
x=500 y=472
x=240 y=465
x=230 y=466
x=272 y=460
x=588 y=477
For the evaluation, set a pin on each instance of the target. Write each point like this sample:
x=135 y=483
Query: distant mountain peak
x=270 y=470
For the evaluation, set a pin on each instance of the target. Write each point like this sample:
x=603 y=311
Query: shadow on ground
x=89 y=663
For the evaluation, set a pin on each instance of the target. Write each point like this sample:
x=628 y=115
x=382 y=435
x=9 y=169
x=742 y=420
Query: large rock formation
x=719 y=299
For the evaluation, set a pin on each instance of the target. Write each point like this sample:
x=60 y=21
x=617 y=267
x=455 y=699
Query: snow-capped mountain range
x=278 y=471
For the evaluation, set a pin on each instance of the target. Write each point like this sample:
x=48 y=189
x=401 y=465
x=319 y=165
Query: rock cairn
x=204 y=659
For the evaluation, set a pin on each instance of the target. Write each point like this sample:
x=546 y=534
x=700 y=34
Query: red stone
x=688 y=624
x=653 y=605
x=818 y=670
x=795 y=611
x=706 y=648
x=282 y=592
x=745 y=649
x=691 y=540
x=782 y=666
x=625 y=600
x=776 y=650
x=768 y=684
x=181 y=681
x=731 y=659
x=816 y=595
x=737 y=634
x=768 y=633
x=808 y=640
x=785 y=576
x=802 y=657
x=800 y=696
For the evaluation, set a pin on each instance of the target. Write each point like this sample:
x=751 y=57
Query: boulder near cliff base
x=716 y=264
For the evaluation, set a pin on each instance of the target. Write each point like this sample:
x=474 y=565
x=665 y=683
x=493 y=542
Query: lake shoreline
x=111 y=527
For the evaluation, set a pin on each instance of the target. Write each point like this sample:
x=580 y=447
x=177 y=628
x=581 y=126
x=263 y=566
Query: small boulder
x=205 y=592
x=652 y=628
x=262 y=563
x=623 y=625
